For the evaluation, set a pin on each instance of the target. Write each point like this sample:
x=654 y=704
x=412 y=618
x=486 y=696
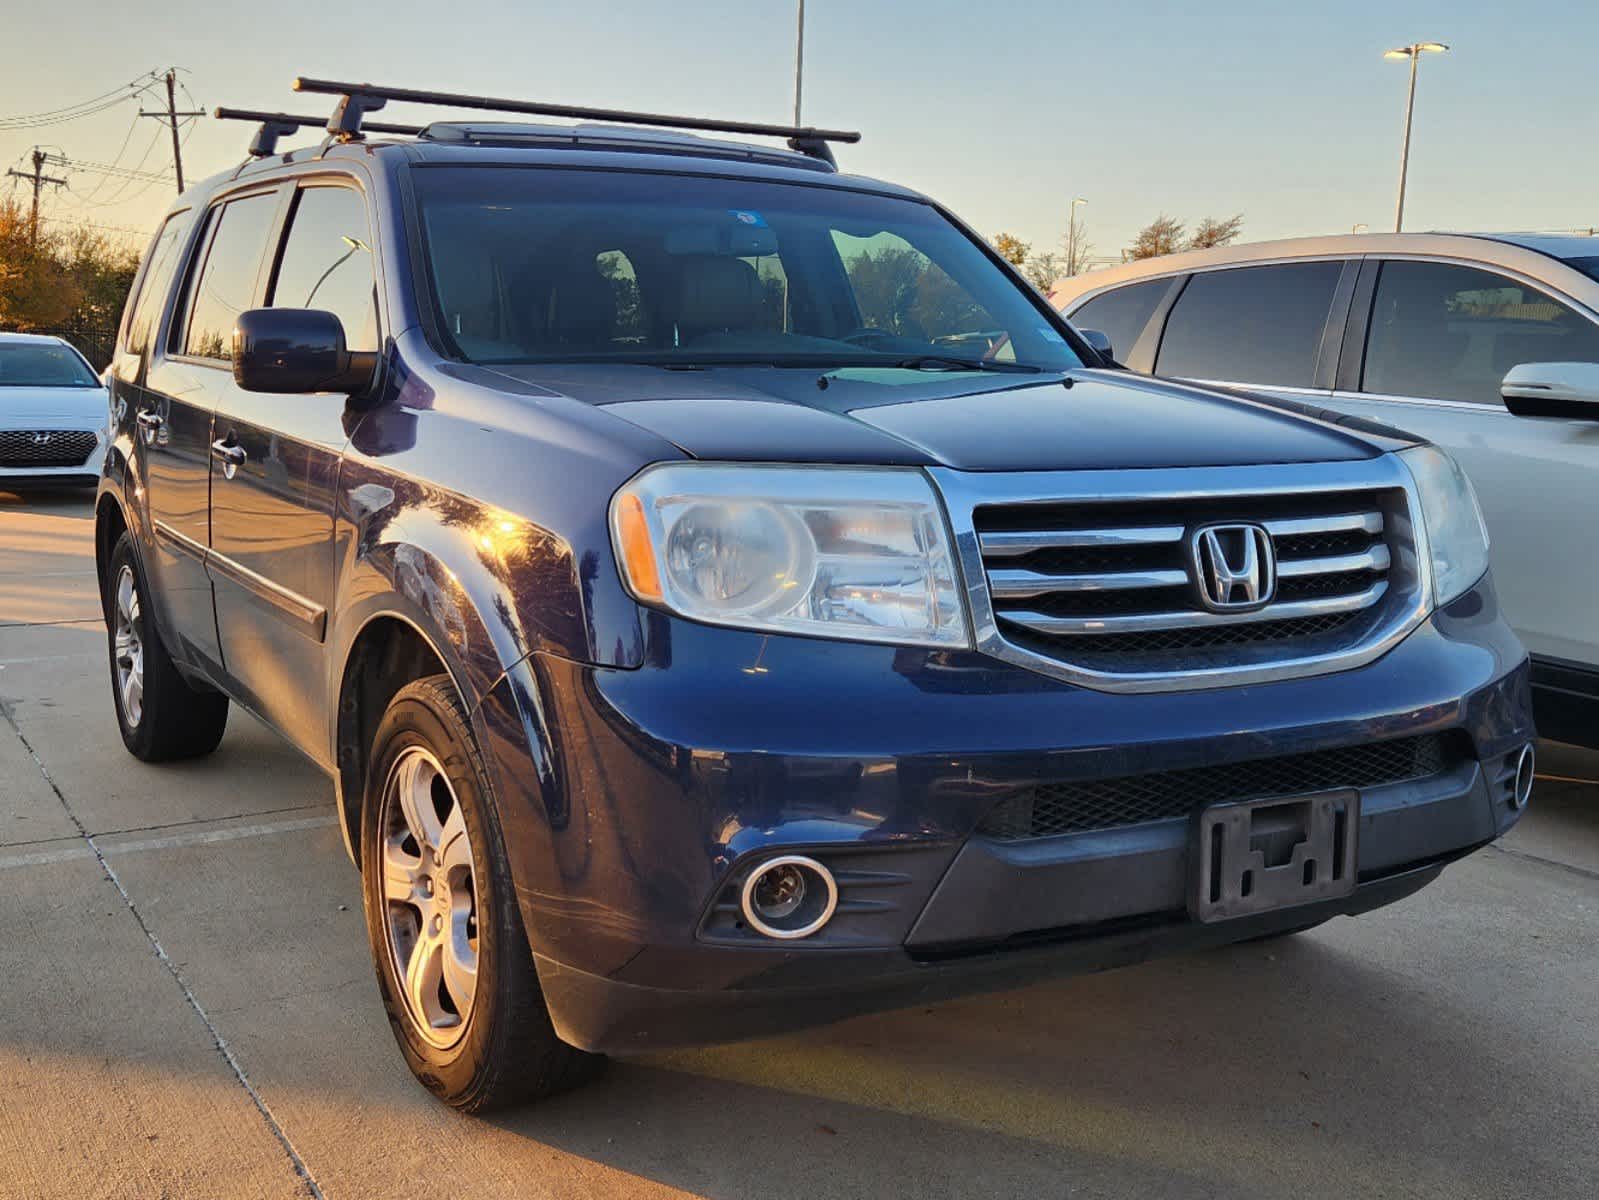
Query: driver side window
x=1446 y=332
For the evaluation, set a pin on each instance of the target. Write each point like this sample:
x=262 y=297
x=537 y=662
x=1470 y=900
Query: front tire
x=454 y=970
x=162 y=718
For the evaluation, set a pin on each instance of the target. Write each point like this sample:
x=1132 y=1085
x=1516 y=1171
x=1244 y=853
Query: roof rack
x=358 y=99
x=278 y=125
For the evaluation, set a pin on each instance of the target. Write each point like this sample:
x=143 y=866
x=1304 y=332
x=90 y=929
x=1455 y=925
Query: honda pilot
x=726 y=597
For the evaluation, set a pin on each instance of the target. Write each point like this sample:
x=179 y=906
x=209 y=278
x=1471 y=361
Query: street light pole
x=1071 y=235
x=799 y=63
x=1413 y=52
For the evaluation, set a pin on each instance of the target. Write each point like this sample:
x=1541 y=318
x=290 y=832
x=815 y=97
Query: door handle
x=150 y=424
x=230 y=454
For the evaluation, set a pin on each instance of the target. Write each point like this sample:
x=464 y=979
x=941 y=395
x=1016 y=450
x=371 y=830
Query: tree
x=1163 y=235
x=77 y=280
x=1012 y=249
x=1216 y=231
x=1044 y=268
x=1076 y=246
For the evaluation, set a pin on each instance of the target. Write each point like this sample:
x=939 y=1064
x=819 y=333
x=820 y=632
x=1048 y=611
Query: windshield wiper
x=939 y=362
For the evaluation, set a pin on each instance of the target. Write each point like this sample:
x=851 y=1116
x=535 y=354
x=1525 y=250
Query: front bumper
x=631 y=798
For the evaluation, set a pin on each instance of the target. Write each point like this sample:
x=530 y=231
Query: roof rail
x=358 y=99
x=277 y=125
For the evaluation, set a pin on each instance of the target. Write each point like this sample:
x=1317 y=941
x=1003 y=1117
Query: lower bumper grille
x=46 y=447
x=1135 y=799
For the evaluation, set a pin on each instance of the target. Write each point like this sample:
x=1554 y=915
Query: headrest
x=717 y=294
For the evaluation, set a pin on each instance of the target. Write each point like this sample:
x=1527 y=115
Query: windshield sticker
x=745 y=217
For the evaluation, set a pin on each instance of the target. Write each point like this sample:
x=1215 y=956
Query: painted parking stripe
x=109 y=846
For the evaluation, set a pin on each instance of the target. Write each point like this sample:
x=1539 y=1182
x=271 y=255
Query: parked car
x=727 y=597
x=53 y=414
x=1422 y=331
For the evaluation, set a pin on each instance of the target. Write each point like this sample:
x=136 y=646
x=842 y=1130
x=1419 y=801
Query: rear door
x=274 y=472
x=1428 y=345
x=1272 y=328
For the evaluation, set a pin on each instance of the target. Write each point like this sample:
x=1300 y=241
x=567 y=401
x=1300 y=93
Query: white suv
x=1418 y=331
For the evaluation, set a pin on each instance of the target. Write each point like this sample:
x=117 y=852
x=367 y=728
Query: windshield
x=43 y=364
x=542 y=265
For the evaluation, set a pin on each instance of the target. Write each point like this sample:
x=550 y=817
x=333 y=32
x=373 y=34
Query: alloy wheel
x=128 y=649
x=429 y=889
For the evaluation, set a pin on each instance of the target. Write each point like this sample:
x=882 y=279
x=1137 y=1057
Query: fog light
x=789 y=897
x=1526 y=771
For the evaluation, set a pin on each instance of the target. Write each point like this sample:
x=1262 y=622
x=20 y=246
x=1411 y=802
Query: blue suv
x=726 y=597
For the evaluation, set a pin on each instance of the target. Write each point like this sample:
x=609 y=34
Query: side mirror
x=1555 y=389
x=290 y=350
x=1100 y=342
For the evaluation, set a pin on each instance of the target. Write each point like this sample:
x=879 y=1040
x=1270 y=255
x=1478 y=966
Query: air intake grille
x=1120 y=587
x=45 y=447
x=1134 y=799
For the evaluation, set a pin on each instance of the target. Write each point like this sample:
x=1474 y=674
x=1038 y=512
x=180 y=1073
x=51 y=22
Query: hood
x=966 y=420
x=53 y=407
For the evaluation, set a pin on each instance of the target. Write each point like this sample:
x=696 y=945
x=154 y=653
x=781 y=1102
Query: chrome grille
x=45 y=447
x=1090 y=575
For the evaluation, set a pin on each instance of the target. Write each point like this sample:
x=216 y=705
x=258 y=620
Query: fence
x=95 y=342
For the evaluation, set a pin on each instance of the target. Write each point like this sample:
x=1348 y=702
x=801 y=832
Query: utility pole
x=170 y=116
x=799 y=63
x=38 y=179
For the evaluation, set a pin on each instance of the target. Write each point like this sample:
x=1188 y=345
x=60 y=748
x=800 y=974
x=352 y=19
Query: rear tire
x=454 y=969
x=162 y=717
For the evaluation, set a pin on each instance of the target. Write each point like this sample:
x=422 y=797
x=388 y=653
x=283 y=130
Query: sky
x=1285 y=112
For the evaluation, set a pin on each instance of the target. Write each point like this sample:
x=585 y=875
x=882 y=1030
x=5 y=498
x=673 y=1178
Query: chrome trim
x=1361 y=522
x=180 y=542
x=788 y=860
x=305 y=614
x=1012 y=584
x=1375 y=559
x=963 y=492
x=1002 y=544
x=1288 y=610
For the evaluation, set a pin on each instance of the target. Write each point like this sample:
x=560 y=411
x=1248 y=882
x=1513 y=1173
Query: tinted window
x=226 y=286
x=1122 y=314
x=1252 y=325
x=1451 y=333
x=327 y=263
x=43 y=364
x=160 y=267
x=546 y=265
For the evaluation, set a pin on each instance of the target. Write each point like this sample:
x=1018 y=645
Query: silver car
x=1487 y=345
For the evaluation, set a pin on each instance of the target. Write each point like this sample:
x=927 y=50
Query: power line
x=83 y=108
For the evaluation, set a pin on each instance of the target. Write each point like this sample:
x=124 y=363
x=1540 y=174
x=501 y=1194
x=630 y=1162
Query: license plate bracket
x=1253 y=856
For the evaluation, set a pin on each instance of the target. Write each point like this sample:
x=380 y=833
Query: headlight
x=1455 y=530
x=827 y=551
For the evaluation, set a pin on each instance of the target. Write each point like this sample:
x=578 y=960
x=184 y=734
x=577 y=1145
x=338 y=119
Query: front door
x=273 y=479
x=1439 y=340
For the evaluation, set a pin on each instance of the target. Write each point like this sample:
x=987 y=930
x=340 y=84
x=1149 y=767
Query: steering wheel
x=866 y=336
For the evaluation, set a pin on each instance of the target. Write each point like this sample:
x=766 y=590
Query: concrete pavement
x=188 y=1010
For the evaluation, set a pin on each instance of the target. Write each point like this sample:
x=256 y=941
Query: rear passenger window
x=1251 y=325
x=327 y=262
x=226 y=283
x=1122 y=314
x=1450 y=333
x=159 y=269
